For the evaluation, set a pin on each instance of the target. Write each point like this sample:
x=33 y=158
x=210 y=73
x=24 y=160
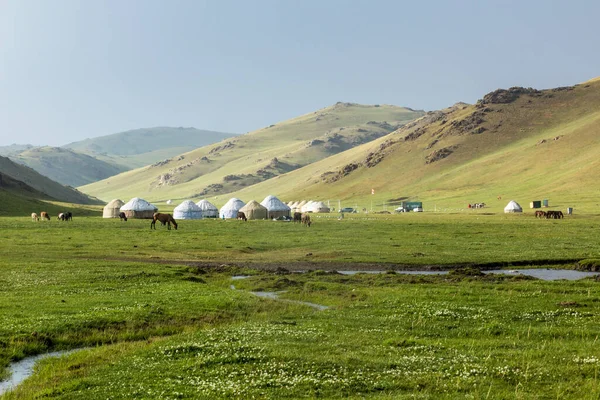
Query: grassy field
x=158 y=318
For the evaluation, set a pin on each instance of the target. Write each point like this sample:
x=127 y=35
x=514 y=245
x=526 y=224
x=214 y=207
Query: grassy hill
x=14 y=149
x=32 y=185
x=520 y=144
x=261 y=155
x=66 y=166
x=140 y=147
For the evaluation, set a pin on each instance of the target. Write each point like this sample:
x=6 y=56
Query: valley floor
x=158 y=314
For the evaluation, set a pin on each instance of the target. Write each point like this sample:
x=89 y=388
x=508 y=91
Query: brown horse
x=540 y=214
x=297 y=217
x=241 y=216
x=306 y=220
x=164 y=219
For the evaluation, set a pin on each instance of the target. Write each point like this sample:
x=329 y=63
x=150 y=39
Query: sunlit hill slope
x=521 y=144
x=257 y=156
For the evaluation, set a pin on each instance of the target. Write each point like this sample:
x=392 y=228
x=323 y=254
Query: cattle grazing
x=305 y=219
x=241 y=216
x=44 y=215
x=297 y=217
x=68 y=216
x=61 y=217
x=164 y=219
x=34 y=217
x=122 y=216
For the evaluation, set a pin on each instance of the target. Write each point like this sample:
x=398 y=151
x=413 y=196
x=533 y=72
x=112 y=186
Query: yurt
x=294 y=206
x=207 y=209
x=275 y=207
x=513 y=207
x=254 y=210
x=138 y=208
x=112 y=209
x=231 y=208
x=306 y=207
x=187 y=210
x=317 y=207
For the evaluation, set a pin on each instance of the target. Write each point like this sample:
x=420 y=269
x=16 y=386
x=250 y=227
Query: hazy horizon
x=75 y=70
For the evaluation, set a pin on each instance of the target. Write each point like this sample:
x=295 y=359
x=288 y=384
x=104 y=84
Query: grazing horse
x=554 y=215
x=305 y=219
x=297 y=217
x=241 y=216
x=164 y=219
x=122 y=216
x=34 y=217
x=540 y=214
x=44 y=215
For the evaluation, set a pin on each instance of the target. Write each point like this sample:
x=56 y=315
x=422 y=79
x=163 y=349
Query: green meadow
x=157 y=314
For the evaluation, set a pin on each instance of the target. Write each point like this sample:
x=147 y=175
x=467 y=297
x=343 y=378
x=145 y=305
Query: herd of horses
x=302 y=218
x=163 y=218
x=63 y=216
x=549 y=214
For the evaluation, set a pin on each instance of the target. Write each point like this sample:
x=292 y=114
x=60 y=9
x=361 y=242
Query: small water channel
x=21 y=370
x=539 y=273
x=275 y=296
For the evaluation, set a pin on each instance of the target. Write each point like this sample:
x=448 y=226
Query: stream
x=21 y=370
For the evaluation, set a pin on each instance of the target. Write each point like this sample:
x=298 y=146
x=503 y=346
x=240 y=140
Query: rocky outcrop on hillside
x=225 y=146
x=469 y=124
x=439 y=154
x=503 y=96
x=331 y=176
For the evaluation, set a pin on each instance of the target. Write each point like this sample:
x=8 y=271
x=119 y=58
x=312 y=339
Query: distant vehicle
x=407 y=206
x=347 y=210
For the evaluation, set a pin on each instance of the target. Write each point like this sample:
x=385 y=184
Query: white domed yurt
x=513 y=207
x=207 y=209
x=294 y=206
x=112 y=209
x=317 y=207
x=187 y=210
x=275 y=207
x=254 y=210
x=138 y=208
x=231 y=208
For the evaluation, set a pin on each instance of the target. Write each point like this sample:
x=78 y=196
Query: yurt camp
x=317 y=207
x=138 y=208
x=207 y=209
x=254 y=210
x=112 y=209
x=513 y=207
x=231 y=208
x=187 y=210
x=275 y=207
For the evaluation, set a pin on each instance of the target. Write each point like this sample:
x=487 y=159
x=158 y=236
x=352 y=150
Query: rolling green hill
x=66 y=166
x=257 y=156
x=141 y=147
x=14 y=149
x=520 y=144
x=27 y=183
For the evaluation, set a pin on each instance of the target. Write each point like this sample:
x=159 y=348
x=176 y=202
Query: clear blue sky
x=70 y=69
